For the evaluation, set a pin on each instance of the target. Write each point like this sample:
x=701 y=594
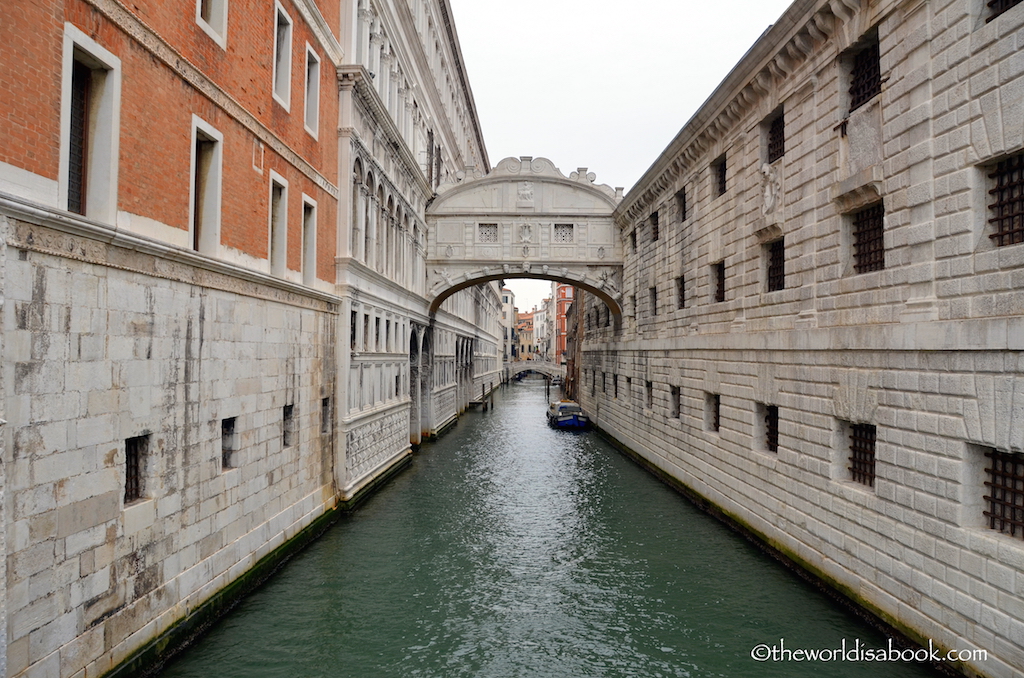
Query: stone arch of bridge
x=524 y=219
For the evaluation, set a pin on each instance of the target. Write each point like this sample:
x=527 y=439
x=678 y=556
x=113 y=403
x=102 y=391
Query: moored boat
x=567 y=414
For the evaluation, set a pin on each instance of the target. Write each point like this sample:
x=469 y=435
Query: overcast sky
x=600 y=84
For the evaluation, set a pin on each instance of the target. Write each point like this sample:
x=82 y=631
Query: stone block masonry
x=120 y=354
x=841 y=371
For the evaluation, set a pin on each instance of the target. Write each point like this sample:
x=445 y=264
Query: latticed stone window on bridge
x=488 y=233
x=563 y=233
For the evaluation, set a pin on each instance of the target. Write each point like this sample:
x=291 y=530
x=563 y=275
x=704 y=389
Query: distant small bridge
x=538 y=366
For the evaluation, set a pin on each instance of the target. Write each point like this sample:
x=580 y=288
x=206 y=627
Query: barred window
x=650 y=395
x=681 y=292
x=288 y=426
x=997 y=7
x=653 y=292
x=488 y=233
x=862 y=454
x=135 y=450
x=1005 y=493
x=675 y=401
x=713 y=405
x=771 y=428
x=632 y=239
x=1007 y=203
x=718 y=170
x=865 y=75
x=681 y=203
x=868 y=242
x=776 y=265
x=655 y=231
x=563 y=233
x=776 y=138
x=718 y=274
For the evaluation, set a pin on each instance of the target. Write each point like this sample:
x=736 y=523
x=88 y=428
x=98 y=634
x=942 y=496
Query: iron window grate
x=868 y=243
x=777 y=265
x=720 y=175
x=681 y=203
x=716 y=412
x=681 y=292
x=1008 y=204
x=997 y=7
x=720 y=281
x=655 y=230
x=777 y=138
x=81 y=80
x=862 y=454
x=866 y=76
x=227 y=442
x=653 y=292
x=1006 y=492
x=771 y=428
x=134 y=451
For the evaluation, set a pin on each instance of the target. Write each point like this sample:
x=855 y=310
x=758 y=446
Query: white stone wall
x=928 y=349
x=106 y=342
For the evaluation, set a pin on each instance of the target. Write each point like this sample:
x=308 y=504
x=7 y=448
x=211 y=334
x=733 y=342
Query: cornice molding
x=800 y=32
x=316 y=22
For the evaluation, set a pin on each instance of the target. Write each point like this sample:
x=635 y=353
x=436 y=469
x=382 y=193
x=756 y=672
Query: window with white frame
x=90 y=127
x=308 y=240
x=212 y=17
x=278 y=223
x=282 y=56
x=205 y=198
x=312 y=92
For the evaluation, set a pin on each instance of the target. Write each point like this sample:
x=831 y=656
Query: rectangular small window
x=288 y=426
x=352 y=330
x=604 y=385
x=713 y=411
x=771 y=428
x=488 y=233
x=1007 y=201
x=719 y=175
x=997 y=7
x=308 y=241
x=655 y=230
x=387 y=335
x=776 y=138
x=563 y=233
x=865 y=75
x=868 y=241
x=90 y=128
x=325 y=415
x=206 y=186
x=278 y=224
x=1004 y=500
x=650 y=394
x=681 y=292
x=681 y=203
x=366 y=331
x=376 y=334
x=228 y=443
x=776 y=252
x=632 y=239
x=312 y=92
x=675 y=401
x=135 y=451
x=282 y=56
x=653 y=293
x=718 y=280
x=615 y=384
x=862 y=454
x=212 y=17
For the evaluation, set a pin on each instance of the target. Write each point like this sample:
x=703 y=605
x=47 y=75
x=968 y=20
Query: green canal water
x=508 y=549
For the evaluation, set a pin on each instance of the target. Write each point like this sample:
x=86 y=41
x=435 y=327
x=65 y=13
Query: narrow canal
x=510 y=550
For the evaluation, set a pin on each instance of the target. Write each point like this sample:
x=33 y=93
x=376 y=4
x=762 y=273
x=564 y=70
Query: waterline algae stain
x=511 y=549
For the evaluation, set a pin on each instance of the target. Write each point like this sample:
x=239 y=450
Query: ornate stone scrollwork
x=771 y=189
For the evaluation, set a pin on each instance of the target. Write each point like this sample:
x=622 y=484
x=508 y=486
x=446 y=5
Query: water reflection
x=510 y=549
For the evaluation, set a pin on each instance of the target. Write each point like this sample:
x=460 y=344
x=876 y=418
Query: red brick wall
x=157 y=108
x=31 y=38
